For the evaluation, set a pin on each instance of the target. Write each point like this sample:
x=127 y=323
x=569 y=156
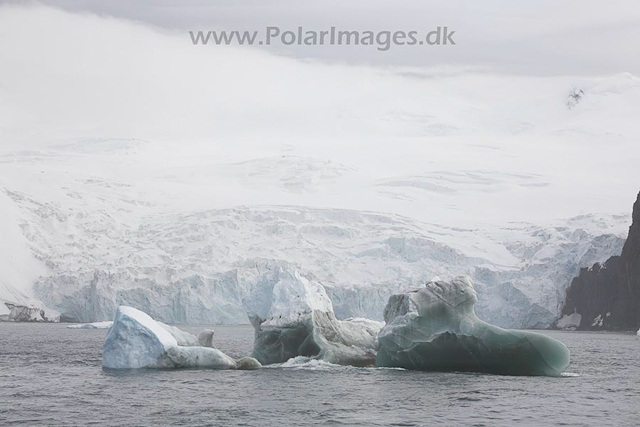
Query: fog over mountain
x=544 y=37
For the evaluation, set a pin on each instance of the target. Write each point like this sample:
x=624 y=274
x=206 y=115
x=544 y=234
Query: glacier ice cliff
x=135 y=340
x=293 y=316
x=435 y=328
x=199 y=268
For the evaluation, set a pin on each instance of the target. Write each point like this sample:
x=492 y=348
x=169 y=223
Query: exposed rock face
x=607 y=296
x=20 y=313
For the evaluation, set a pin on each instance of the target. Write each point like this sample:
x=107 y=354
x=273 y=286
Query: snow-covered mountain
x=197 y=267
x=175 y=179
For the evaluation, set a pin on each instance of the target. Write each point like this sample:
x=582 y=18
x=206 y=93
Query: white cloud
x=544 y=37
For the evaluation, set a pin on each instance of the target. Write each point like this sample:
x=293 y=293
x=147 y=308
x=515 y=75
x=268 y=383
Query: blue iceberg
x=435 y=328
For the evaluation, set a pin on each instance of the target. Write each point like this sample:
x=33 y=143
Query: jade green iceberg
x=435 y=328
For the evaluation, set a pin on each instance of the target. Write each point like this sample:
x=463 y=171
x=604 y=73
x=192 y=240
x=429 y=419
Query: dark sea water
x=51 y=375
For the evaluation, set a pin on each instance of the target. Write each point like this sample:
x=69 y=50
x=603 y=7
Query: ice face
x=205 y=338
x=300 y=322
x=285 y=295
x=401 y=252
x=183 y=338
x=135 y=340
x=435 y=329
x=318 y=334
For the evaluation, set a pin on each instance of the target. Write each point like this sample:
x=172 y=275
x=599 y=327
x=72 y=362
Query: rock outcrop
x=607 y=296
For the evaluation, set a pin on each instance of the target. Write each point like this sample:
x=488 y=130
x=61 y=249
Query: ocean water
x=51 y=375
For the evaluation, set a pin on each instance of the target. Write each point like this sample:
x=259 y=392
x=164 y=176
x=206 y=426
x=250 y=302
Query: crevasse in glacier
x=137 y=341
x=435 y=328
x=293 y=316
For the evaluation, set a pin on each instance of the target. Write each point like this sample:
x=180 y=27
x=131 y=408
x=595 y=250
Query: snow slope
x=199 y=267
x=171 y=178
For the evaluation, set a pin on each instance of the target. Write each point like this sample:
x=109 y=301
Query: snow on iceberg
x=95 y=325
x=436 y=329
x=183 y=338
x=293 y=316
x=137 y=341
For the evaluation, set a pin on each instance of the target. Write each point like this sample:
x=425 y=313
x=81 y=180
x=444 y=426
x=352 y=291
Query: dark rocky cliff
x=607 y=296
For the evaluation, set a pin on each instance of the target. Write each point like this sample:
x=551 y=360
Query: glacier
x=435 y=328
x=183 y=221
x=199 y=268
x=293 y=316
x=135 y=341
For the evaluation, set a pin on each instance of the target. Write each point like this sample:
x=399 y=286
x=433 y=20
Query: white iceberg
x=293 y=316
x=248 y=364
x=436 y=329
x=569 y=322
x=200 y=357
x=205 y=338
x=183 y=338
x=94 y=325
x=137 y=341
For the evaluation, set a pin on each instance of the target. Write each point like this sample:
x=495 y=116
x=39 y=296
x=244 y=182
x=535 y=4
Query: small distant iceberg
x=569 y=322
x=205 y=338
x=435 y=328
x=135 y=341
x=293 y=316
x=95 y=325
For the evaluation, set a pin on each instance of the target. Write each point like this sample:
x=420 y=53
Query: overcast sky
x=542 y=37
x=98 y=72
